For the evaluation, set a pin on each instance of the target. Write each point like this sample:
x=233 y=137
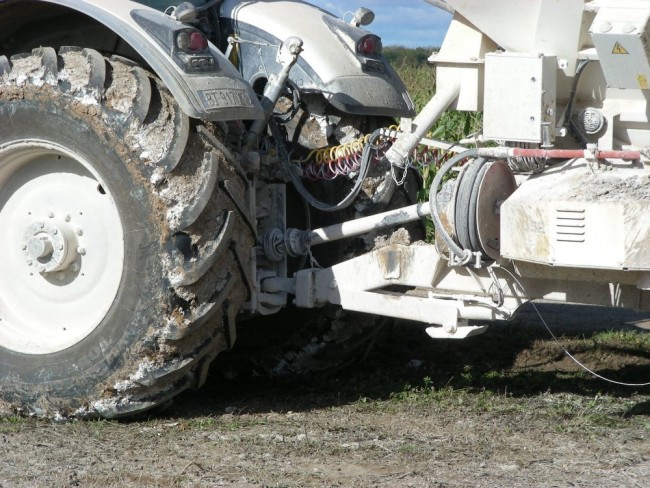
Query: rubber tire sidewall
x=82 y=369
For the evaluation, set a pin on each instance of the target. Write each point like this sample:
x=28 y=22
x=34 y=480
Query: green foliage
x=413 y=67
x=420 y=82
x=401 y=57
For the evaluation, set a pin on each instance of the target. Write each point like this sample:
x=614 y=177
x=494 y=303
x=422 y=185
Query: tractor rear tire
x=120 y=279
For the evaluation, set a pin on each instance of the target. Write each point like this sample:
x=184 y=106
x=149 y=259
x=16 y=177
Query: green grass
x=576 y=413
x=205 y=423
x=563 y=412
x=623 y=338
x=526 y=373
x=10 y=423
x=11 y=419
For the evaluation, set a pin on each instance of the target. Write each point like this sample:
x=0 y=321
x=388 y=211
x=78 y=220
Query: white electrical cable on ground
x=574 y=359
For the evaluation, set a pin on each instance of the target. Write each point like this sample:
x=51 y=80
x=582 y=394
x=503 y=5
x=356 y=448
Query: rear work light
x=187 y=46
x=370 y=45
x=191 y=41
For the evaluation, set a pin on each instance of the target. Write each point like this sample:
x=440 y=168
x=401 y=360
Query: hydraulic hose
x=568 y=120
x=304 y=192
x=574 y=89
x=465 y=255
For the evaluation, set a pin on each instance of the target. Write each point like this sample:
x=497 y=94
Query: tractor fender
x=220 y=94
x=329 y=63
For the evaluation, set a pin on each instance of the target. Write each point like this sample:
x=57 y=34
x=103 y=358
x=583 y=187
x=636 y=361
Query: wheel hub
x=50 y=246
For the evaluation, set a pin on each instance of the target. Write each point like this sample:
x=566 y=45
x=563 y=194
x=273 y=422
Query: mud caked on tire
x=119 y=276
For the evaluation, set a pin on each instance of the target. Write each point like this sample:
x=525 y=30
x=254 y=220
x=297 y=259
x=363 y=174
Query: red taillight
x=370 y=45
x=191 y=41
x=198 y=42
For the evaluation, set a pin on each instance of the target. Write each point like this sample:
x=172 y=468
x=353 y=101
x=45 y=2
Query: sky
x=410 y=23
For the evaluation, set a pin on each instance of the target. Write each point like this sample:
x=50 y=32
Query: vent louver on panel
x=570 y=225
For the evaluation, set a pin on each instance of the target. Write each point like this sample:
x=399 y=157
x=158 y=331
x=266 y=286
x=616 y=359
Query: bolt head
x=81 y=250
x=80 y=232
x=68 y=218
x=60 y=276
x=50 y=215
x=75 y=267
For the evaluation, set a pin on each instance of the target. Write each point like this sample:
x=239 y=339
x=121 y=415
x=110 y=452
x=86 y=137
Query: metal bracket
x=462 y=332
x=287 y=57
x=366 y=284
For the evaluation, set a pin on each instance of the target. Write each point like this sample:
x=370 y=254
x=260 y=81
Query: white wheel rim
x=61 y=248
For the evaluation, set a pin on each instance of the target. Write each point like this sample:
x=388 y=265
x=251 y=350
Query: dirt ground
x=505 y=409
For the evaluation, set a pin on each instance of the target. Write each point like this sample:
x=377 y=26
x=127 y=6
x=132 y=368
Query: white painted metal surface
x=580 y=215
x=372 y=222
x=552 y=27
x=613 y=35
x=620 y=36
x=360 y=285
x=578 y=231
x=62 y=248
x=460 y=63
x=520 y=96
x=460 y=332
x=324 y=57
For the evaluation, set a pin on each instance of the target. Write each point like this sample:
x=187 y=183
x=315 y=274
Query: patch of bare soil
x=506 y=409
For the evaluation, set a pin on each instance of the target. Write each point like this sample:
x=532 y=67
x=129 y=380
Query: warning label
x=619 y=49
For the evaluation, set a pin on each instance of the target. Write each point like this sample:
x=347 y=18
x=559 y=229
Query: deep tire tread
x=95 y=76
x=183 y=172
x=193 y=270
x=143 y=97
x=50 y=63
x=200 y=316
x=195 y=206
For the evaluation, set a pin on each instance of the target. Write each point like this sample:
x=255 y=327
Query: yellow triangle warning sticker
x=619 y=49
